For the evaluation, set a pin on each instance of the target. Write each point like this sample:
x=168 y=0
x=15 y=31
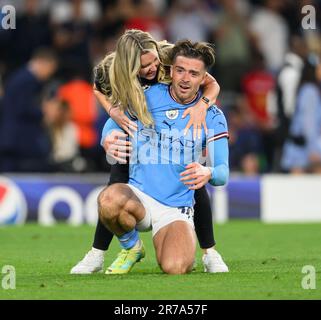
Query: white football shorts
x=159 y=215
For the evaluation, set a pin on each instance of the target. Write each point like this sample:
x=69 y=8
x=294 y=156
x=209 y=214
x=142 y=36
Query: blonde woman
x=119 y=81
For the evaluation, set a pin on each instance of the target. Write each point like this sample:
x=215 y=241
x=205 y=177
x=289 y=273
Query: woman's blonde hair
x=118 y=73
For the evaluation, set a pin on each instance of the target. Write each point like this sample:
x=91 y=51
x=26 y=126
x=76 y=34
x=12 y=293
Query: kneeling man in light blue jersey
x=165 y=166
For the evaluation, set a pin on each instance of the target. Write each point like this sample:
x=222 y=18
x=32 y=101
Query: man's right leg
x=120 y=211
x=94 y=259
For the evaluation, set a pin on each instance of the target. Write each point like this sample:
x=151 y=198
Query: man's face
x=47 y=69
x=187 y=76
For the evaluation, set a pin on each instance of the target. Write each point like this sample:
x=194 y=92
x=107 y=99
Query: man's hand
x=122 y=120
x=196 y=176
x=117 y=147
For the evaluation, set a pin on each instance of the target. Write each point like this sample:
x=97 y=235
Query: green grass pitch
x=265 y=262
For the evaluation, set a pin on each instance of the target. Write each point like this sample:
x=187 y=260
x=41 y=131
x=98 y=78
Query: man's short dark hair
x=45 y=54
x=198 y=50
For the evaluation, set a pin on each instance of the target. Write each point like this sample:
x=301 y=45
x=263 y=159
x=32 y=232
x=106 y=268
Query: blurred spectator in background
x=189 y=19
x=63 y=134
x=245 y=143
x=287 y=87
x=302 y=150
x=63 y=11
x=71 y=44
x=231 y=37
x=146 y=18
x=1 y=95
x=289 y=78
x=111 y=25
x=78 y=93
x=271 y=32
x=24 y=144
x=294 y=15
x=258 y=86
x=119 y=15
x=32 y=32
x=72 y=24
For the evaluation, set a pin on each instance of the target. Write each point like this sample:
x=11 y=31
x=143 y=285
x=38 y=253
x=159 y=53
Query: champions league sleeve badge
x=172 y=114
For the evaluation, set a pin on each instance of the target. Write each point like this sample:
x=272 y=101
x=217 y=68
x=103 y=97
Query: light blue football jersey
x=161 y=152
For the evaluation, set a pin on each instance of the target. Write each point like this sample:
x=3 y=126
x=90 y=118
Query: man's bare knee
x=177 y=266
x=110 y=202
x=176 y=245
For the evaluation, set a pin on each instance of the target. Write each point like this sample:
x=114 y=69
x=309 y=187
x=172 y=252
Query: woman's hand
x=197 y=113
x=122 y=120
x=115 y=113
x=196 y=176
x=117 y=147
x=197 y=119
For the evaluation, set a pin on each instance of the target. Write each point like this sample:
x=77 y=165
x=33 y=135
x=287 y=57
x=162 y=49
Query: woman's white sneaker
x=213 y=262
x=93 y=262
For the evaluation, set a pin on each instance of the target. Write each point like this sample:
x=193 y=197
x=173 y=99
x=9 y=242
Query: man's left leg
x=175 y=246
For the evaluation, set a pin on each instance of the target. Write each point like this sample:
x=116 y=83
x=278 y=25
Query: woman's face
x=149 y=65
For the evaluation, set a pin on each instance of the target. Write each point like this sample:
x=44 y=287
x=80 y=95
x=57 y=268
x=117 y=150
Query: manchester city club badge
x=172 y=114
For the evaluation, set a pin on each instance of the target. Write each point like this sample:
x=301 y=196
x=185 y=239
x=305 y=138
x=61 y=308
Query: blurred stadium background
x=272 y=100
